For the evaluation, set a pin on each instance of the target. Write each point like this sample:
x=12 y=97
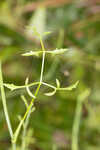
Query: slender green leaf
x=28 y=90
x=58 y=83
x=50 y=93
x=58 y=51
x=69 y=88
x=32 y=53
x=11 y=86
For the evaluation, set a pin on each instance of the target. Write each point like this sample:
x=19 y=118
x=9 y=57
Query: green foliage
x=75 y=27
x=29 y=108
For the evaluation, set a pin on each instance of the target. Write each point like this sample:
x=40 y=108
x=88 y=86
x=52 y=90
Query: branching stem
x=32 y=101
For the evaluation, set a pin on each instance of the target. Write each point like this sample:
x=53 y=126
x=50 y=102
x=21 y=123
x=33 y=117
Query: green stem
x=76 y=124
x=42 y=45
x=5 y=107
x=37 y=90
x=49 y=85
x=25 y=130
x=32 y=101
x=78 y=113
x=42 y=69
x=13 y=146
x=4 y=103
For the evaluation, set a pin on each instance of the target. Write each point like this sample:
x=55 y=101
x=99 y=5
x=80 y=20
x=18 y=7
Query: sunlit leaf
x=46 y=33
x=58 y=51
x=33 y=109
x=11 y=86
x=69 y=88
x=24 y=100
x=58 y=83
x=19 y=117
x=50 y=93
x=28 y=90
x=84 y=94
x=32 y=53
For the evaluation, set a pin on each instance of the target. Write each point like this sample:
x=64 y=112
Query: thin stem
x=32 y=101
x=21 y=122
x=14 y=146
x=36 y=83
x=41 y=76
x=5 y=108
x=22 y=86
x=76 y=124
x=30 y=106
x=24 y=100
x=42 y=69
x=54 y=147
x=42 y=45
x=49 y=85
x=25 y=130
x=78 y=113
x=4 y=103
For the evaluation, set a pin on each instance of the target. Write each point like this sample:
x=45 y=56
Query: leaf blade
x=71 y=87
x=50 y=93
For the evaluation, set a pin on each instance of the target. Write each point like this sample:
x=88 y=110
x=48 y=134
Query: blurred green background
x=75 y=25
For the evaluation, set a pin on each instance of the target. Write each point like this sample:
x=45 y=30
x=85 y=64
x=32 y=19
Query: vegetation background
x=74 y=25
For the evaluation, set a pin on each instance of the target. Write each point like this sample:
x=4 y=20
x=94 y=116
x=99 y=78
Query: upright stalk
x=29 y=111
x=42 y=68
x=32 y=101
x=78 y=113
x=76 y=124
x=5 y=107
x=25 y=125
x=13 y=146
